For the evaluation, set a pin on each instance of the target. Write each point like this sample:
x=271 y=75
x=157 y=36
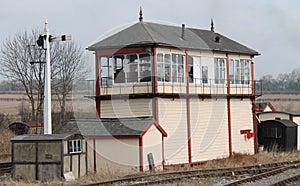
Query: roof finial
x=141 y=14
x=212 y=28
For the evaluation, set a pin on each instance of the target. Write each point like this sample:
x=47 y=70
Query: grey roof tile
x=108 y=126
x=147 y=33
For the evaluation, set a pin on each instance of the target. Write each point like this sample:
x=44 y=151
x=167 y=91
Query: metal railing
x=196 y=86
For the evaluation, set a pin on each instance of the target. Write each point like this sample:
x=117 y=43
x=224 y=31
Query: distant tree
x=21 y=61
x=283 y=81
x=268 y=82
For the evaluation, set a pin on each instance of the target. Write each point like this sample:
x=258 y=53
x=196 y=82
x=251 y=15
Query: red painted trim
x=106 y=52
x=156 y=109
x=291 y=117
x=227 y=74
x=229 y=126
x=188 y=109
x=155 y=70
x=271 y=106
x=159 y=127
x=254 y=126
x=97 y=92
x=141 y=154
x=95 y=156
x=176 y=165
x=199 y=162
x=252 y=76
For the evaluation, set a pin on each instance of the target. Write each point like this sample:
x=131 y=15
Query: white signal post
x=47 y=91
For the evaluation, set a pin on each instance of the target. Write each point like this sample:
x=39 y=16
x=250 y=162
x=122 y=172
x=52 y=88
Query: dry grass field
x=11 y=103
x=282 y=102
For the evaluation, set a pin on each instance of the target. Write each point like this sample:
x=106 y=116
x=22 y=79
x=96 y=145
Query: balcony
x=196 y=87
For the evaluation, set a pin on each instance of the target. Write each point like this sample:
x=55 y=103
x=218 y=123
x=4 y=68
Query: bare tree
x=67 y=69
x=22 y=60
x=16 y=55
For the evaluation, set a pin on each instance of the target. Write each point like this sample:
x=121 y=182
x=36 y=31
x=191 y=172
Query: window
x=219 y=71
x=75 y=146
x=239 y=71
x=145 y=67
x=106 y=71
x=245 y=71
x=132 y=68
x=119 y=67
x=204 y=70
x=170 y=68
x=125 y=68
x=191 y=69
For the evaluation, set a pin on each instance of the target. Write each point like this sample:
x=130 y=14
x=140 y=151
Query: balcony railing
x=196 y=87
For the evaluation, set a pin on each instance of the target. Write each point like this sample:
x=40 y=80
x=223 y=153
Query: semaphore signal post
x=44 y=42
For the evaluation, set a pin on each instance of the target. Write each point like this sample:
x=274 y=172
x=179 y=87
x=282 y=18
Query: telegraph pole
x=47 y=91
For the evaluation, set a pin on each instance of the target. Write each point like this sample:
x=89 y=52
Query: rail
x=177 y=176
x=5 y=168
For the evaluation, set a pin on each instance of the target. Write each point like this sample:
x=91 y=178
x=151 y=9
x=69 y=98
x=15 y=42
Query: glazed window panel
x=106 y=68
x=167 y=69
x=204 y=70
x=239 y=71
x=132 y=68
x=145 y=67
x=119 y=67
x=197 y=70
x=170 y=67
x=75 y=146
x=191 y=69
x=219 y=70
x=245 y=78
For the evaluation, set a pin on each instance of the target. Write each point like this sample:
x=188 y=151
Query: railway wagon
x=278 y=135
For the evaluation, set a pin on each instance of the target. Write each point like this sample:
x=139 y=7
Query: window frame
x=174 y=63
x=240 y=71
x=119 y=66
x=220 y=70
x=75 y=146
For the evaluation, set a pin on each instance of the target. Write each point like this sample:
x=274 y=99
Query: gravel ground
x=265 y=181
x=220 y=181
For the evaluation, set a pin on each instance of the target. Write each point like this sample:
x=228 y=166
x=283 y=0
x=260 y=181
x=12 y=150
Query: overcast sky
x=270 y=27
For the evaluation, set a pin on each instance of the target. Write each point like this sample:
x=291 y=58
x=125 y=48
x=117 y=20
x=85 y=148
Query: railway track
x=179 y=176
x=255 y=180
x=5 y=168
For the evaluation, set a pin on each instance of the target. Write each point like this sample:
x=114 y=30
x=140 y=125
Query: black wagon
x=278 y=135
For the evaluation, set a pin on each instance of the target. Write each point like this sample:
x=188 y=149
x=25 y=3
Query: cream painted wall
x=272 y=115
x=173 y=119
x=209 y=129
x=90 y=154
x=118 y=108
x=241 y=119
x=117 y=155
x=152 y=143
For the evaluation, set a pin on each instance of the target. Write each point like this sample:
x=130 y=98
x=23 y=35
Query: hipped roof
x=109 y=127
x=148 y=33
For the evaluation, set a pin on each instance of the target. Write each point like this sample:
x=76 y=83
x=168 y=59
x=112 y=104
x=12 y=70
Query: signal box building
x=197 y=85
